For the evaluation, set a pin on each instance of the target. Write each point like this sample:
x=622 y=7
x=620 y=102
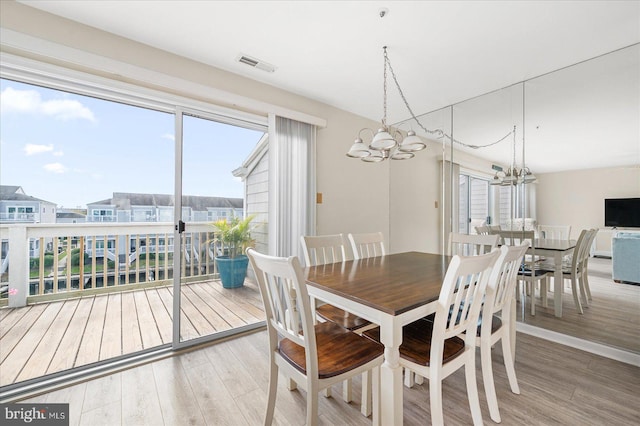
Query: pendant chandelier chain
x=437 y=132
x=384 y=89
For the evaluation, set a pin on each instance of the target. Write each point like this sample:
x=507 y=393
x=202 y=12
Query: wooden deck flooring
x=50 y=337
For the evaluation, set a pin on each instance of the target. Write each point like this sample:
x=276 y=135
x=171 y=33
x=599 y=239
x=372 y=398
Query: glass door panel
x=473 y=202
x=218 y=161
x=88 y=177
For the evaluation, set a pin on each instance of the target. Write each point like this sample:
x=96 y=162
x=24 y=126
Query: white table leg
x=391 y=374
x=558 y=283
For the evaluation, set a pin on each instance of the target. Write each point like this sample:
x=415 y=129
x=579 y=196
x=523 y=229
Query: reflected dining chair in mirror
x=437 y=349
x=576 y=270
x=487 y=229
x=367 y=245
x=321 y=250
x=471 y=245
x=496 y=322
x=530 y=274
x=314 y=356
x=554 y=232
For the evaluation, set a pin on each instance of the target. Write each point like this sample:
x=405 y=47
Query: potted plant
x=233 y=237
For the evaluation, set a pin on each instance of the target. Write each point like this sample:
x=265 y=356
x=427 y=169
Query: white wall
x=416 y=197
x=576 y=197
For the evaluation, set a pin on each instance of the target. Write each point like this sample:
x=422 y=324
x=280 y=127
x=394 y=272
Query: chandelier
x=513 y=175
x=386 y=142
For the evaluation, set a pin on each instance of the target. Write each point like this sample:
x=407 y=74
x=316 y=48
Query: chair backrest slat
x=503 y=280
x=462 y=293
x=581 y=252
x=286 y=302
x=471 y=245
x=515 y=238
x=554 y=232
x=323 y=249
x=367 y=245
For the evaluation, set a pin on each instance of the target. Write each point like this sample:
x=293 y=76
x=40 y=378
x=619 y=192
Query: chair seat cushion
x=536 y=272
x=416 y=343
x=341 y=317
x=339 y=350
x=496 y=323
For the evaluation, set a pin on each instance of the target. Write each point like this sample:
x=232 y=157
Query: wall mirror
x=558 y=119
x=561 y=117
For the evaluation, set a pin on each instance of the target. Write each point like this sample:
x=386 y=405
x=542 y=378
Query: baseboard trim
x=584 y=345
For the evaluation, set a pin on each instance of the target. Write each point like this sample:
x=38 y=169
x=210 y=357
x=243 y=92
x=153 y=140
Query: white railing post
x=18 y=266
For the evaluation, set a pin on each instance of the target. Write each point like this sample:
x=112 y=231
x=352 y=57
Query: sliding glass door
x=87 y=183
x=473 y=208
x=216 y=160
x=106 y=243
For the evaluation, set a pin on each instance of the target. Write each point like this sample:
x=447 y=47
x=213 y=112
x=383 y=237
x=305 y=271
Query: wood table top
x=393 y=283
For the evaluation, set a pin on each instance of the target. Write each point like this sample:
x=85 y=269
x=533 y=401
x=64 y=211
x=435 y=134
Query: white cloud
x=32 y=149
x=55 y=168
x=67 y=109
x=30 y=101
x=58 y=154
x=169 y=136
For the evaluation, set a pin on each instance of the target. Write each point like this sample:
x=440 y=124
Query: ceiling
x=443 y=53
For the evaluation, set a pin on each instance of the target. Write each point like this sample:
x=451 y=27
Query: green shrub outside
x=34 y=262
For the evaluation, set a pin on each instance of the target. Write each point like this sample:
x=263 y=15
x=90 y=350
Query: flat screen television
x=622 y=212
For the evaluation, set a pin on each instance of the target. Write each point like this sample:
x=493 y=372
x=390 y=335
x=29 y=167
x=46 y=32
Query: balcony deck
x=50 y=337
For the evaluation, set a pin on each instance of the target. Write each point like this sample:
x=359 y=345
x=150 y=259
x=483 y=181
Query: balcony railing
x=51 y=261
x=19 y=217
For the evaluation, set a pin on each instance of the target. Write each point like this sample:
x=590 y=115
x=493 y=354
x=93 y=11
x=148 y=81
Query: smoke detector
x=255 y=63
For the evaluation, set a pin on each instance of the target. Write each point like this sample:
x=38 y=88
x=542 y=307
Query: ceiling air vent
x=255 y=63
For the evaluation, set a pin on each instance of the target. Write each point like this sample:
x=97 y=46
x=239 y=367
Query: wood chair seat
x=416 y=342
x=339 y=350
x=341 y=317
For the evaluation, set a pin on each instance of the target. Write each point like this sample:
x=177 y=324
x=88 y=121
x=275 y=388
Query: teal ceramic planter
x=232 y=271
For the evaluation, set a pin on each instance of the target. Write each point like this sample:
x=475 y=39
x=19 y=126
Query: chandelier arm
x=366 y=128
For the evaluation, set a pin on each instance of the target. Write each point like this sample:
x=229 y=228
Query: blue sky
x=73 y=150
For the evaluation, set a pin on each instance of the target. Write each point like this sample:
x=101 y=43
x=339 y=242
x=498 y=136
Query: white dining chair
x=554 y=232
x=576 y=271
x=437 y=349
x=487 y=229
x=321 y=250
x=530 y=274
x=314 y=356
x=496 y=322
x=585 y=273
x=471 y=245
x=367 y=245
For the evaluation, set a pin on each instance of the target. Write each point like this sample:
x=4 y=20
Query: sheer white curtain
x=292 y=184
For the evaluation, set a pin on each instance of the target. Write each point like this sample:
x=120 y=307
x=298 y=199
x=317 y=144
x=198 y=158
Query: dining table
x=555 y=249
x=390 y=291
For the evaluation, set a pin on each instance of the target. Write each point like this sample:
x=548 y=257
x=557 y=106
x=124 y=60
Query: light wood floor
x=51 y=337
x=613 y=318
x=226 y=384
